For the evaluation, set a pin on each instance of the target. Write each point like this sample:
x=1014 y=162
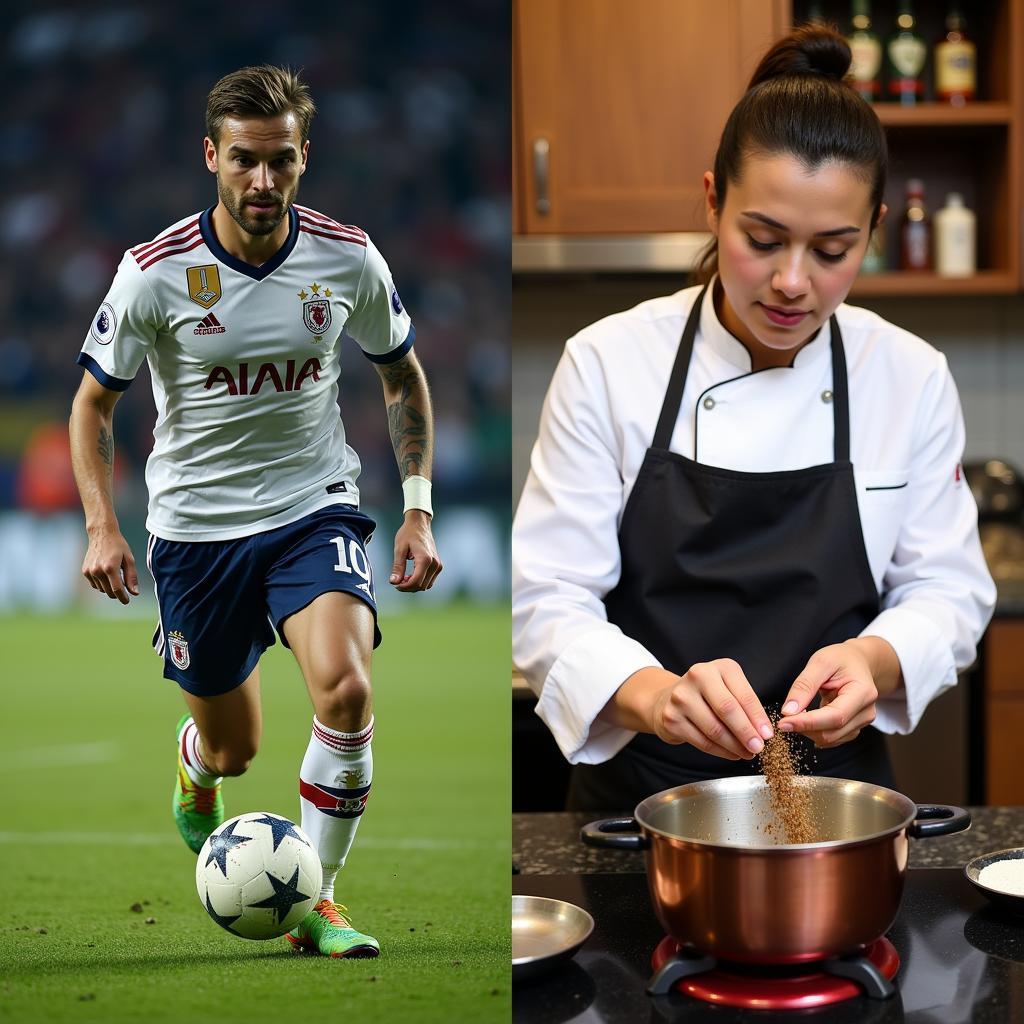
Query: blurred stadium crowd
x=103 y=119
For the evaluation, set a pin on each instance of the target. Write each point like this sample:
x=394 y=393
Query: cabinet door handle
x=540 y=175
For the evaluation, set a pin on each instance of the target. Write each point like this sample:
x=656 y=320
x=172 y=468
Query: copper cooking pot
x=721 y=884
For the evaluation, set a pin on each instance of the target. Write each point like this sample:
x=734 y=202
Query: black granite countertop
x=549 y=844
x=960 y=961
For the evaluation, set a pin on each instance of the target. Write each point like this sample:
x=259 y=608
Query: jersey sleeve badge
x=104 y=323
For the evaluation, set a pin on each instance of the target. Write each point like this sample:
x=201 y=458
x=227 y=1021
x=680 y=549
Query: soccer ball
x=258 y=875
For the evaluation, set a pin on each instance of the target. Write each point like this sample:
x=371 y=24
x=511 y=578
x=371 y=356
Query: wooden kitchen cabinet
x=1004 y=711
x=629 y=101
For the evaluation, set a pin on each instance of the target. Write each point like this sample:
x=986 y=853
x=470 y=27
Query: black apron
x=763 y=568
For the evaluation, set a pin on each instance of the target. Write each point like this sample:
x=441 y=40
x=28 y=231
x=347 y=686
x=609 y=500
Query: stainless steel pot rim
x=749 y=782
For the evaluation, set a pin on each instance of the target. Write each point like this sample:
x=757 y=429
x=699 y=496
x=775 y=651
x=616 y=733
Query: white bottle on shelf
x=955 y=232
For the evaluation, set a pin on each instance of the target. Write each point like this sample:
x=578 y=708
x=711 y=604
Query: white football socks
x=192 y=758
x=334 y=782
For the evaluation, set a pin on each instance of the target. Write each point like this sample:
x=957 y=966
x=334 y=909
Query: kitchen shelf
x=984 y=282
x=943 y=115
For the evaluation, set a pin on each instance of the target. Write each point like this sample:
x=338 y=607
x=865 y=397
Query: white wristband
x=417 y=494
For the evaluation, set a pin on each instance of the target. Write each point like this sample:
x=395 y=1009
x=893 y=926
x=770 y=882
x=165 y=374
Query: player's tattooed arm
x=410 y=418
x=91 y=432
x=412 y=435
x=108 y=564
x=105 y=447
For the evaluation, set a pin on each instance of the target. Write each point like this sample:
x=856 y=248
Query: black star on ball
x=224 y=922
x=285 y=896
x=280 y=827
x=222 y=844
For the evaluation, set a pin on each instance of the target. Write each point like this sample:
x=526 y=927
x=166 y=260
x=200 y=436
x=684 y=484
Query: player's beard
x=265 y=225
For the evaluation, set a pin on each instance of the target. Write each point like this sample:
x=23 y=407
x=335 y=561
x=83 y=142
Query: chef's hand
x=849 y=677
x=712 y=707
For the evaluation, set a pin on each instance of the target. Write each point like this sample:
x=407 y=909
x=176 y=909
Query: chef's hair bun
x=807 y=50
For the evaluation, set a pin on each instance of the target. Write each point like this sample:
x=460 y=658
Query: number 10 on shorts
x=355 y=562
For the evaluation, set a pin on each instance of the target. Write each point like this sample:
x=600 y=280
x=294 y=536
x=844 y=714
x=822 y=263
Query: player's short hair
x=260 y=91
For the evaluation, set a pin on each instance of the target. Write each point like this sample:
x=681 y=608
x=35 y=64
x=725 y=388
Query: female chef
x=749 y=493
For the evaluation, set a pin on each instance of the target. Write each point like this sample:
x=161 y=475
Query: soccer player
x=254 y=516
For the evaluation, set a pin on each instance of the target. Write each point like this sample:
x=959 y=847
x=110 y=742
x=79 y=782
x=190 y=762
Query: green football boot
x=326 y=930
x=198 y=810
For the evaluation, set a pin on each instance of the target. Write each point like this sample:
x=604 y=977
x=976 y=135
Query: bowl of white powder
x=1000 y=876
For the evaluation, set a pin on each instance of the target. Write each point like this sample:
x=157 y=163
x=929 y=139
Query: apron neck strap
x=840 y=396
x=677 y=382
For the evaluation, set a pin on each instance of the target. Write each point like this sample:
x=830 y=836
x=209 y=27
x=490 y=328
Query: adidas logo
x=209 y=325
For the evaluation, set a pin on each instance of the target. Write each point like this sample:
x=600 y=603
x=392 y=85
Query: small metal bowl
x=545 y=932
x=1005 y=900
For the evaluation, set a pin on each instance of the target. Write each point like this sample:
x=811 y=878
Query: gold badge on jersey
x=204 y=284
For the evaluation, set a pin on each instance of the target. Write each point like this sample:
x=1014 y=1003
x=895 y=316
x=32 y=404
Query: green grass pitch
x=89 y=725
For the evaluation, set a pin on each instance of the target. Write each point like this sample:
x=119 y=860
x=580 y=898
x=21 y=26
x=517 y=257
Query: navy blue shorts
x=220 y=601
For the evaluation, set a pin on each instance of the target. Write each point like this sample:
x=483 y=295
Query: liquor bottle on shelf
x=915 y=230
x=866 y=50
x=955 y=238
x=956 y=72
x=906 y=53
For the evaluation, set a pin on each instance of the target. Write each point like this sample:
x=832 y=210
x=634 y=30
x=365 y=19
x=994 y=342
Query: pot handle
x=939 y=820
x=615 y=834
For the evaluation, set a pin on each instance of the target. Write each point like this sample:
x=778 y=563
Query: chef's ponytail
x=800 y=102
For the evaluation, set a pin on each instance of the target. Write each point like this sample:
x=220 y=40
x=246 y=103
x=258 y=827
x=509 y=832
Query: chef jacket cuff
x=925 y=660
x=580 y=684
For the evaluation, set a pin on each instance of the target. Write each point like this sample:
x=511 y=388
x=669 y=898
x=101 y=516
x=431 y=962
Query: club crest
x=316 y=311
x=204 y=284
x=178 y=646
x=316 y=315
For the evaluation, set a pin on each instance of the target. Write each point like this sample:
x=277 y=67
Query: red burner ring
x=728 y=985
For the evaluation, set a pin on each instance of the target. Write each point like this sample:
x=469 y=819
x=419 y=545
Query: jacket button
x=709 y=402
x=826 y=396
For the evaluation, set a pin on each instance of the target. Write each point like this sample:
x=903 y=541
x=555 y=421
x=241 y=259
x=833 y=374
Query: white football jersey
x=245 y=363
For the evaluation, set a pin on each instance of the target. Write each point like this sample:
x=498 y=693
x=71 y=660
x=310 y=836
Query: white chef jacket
x=906 y=441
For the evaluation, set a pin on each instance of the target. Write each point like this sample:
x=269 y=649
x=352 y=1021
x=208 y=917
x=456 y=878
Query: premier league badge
x=104 y=324
x=178 y=646
x=316 y=312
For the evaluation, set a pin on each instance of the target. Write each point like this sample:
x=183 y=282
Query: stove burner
x=781 y=987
